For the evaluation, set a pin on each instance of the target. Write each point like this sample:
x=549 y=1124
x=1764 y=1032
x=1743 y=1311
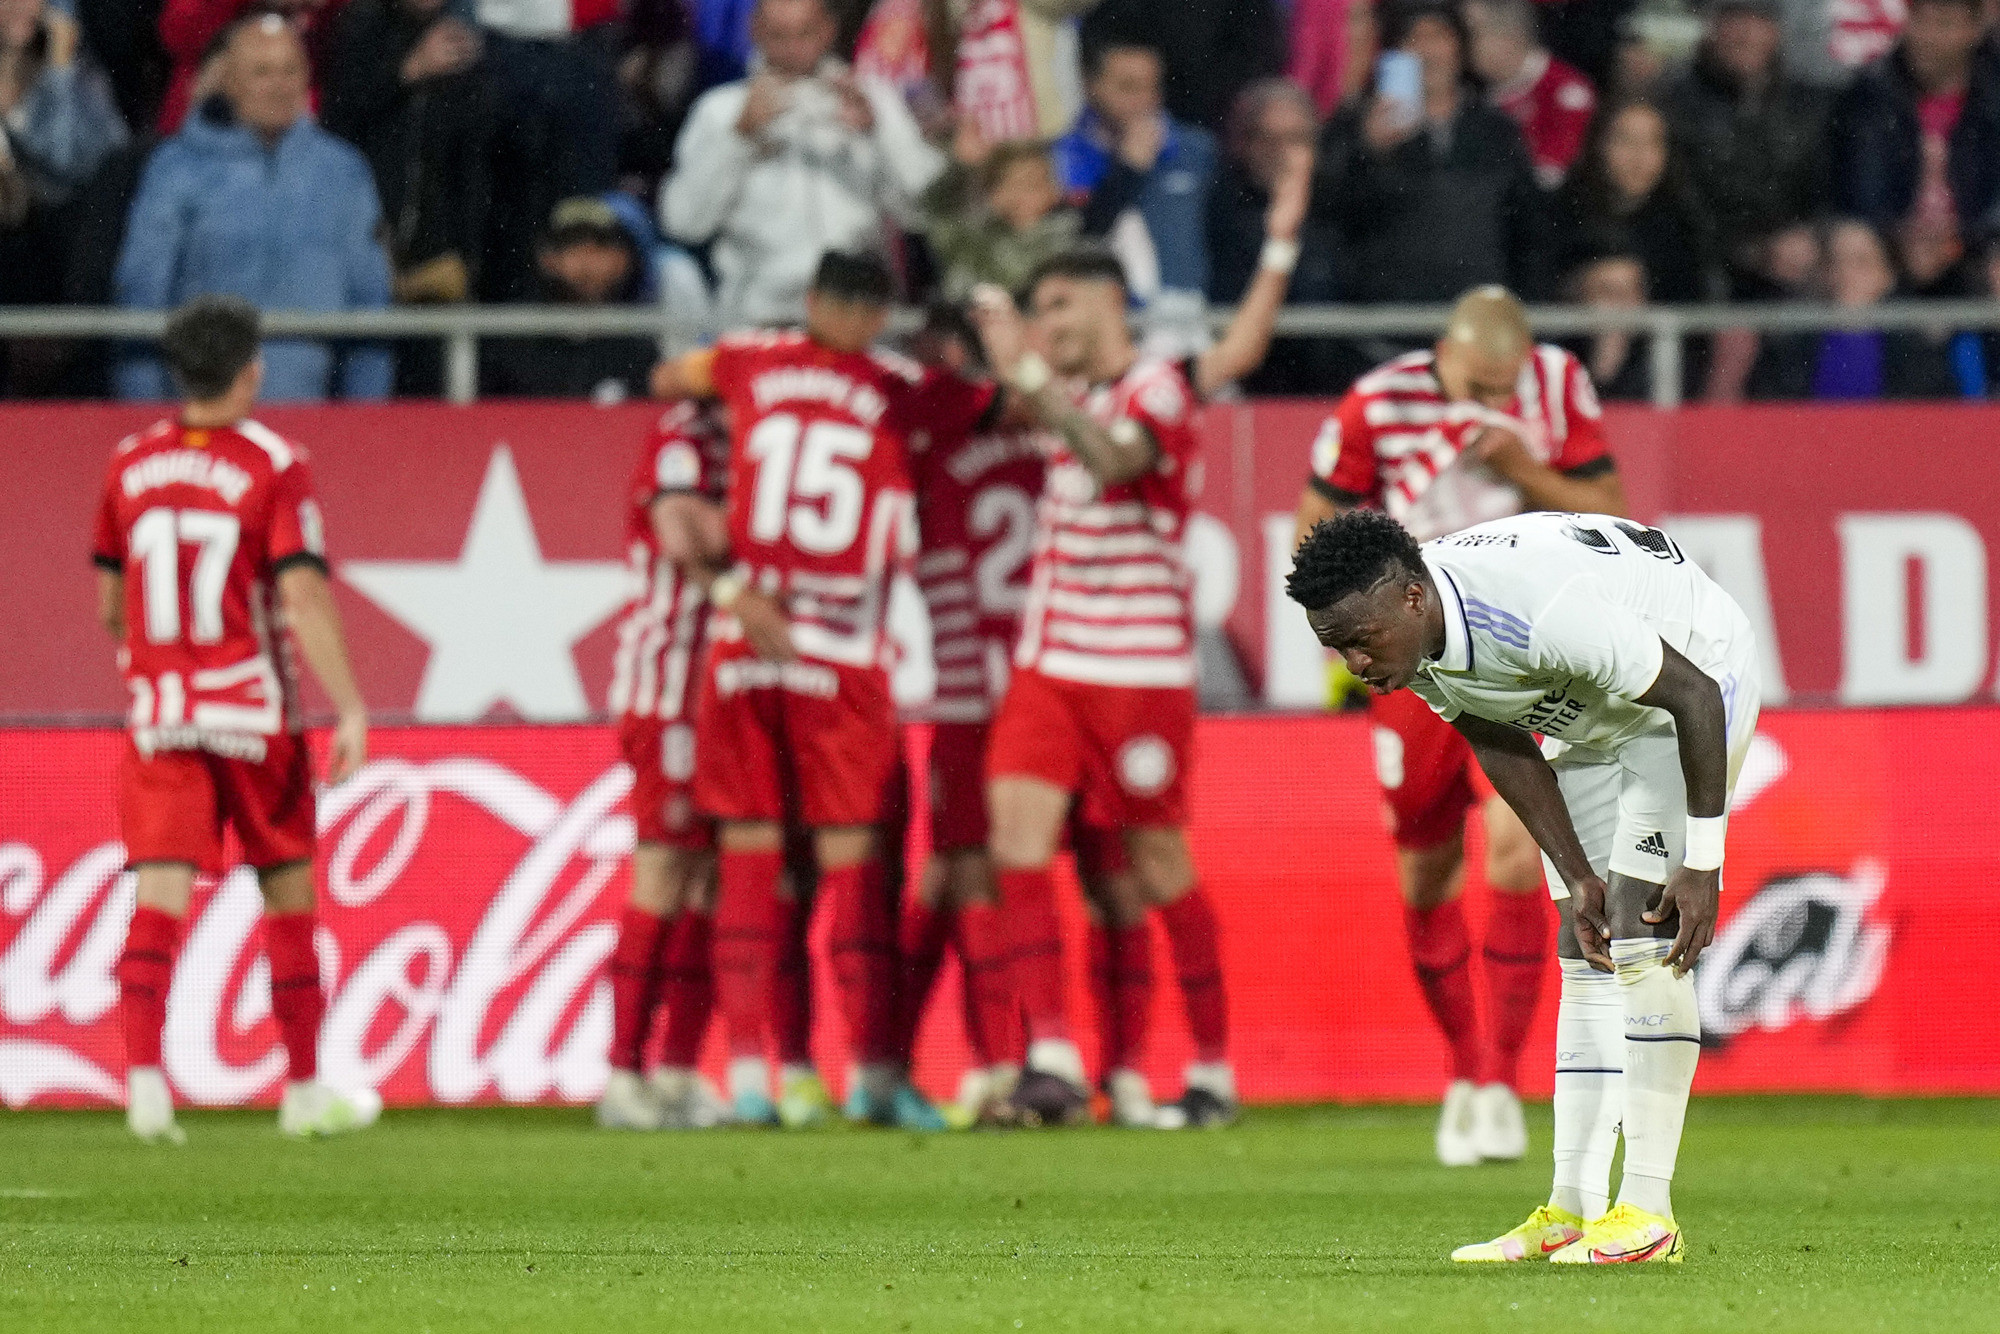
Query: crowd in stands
x=702 y=154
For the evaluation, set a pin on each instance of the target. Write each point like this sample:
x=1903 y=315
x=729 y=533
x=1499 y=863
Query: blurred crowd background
x=699 y=155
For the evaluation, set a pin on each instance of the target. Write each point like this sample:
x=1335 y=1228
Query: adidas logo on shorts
x=1653 y=845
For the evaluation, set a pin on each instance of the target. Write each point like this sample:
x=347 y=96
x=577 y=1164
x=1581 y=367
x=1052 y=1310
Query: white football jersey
x=1553 y=624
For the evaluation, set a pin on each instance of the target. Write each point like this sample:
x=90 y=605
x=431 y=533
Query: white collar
x=1457 y=655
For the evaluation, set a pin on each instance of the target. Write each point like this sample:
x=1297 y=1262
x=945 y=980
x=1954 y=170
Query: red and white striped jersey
x=976 y=536
x=820 y=510
x=200 y=522
x=660 y=637
x=1396 y=441
x=1110 y=598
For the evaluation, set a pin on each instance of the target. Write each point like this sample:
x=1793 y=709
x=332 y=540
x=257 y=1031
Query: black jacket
x=1877 y=144
x=1436 y=214
x=1757 y=164
x=427 y=141
x=1236 y=209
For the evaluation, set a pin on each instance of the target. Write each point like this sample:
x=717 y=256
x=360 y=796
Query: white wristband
x=726 y=589
x=1705 y=837
x=1279 y=255
x=1032 y=374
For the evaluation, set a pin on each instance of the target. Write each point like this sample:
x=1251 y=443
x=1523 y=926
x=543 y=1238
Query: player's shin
x=1662 y=1045
x=636 y=980
x=689 y=987
x=1589 y=1088
x=297 y=1002
x=144 y=971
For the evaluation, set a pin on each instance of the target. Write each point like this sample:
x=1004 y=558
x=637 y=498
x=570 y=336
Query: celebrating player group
x=1033 y=470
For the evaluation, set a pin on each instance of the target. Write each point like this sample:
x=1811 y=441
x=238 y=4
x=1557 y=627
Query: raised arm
x=1113 y=454
x=315 y=621
x=1245 y=342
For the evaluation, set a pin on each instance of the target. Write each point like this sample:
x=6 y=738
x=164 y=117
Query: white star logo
x=500 y=620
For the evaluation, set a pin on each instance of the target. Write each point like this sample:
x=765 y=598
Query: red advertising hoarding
x=470 y=879
x=479 y=562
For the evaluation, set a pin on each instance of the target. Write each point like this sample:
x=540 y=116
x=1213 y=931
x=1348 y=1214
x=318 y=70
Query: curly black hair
x=1351 y=554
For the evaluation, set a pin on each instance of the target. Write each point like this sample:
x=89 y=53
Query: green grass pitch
x=1803 y=1214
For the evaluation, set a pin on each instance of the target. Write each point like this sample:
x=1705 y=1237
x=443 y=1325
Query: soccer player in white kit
x=1639 y=674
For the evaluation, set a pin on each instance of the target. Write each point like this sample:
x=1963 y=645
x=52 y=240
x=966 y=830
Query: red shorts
x=661 y=753
x=1428 y=774
x=173 y=806
x=766 y=731
x=958 y=786
x=1123 y=749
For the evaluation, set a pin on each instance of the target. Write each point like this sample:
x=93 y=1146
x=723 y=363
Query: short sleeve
x=1583 y=633
x=298 y=531
x=1584 y=450
x=107 y=542
x=1343 y=454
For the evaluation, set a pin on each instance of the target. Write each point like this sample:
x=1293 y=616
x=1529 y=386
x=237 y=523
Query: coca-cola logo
x=1804 y=948
x=455 y=989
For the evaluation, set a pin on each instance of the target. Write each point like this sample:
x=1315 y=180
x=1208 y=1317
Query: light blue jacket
x=289 y=227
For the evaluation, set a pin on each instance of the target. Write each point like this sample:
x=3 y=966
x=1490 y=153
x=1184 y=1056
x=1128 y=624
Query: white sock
x=749 y=1075
x=1217 y=1077
x=1662 y=1044
x=1590 y=1087
x=1060 y=1057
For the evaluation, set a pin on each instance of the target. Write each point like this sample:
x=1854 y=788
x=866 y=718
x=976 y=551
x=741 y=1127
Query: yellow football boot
x=1627 y=1235
x=1548 y=1229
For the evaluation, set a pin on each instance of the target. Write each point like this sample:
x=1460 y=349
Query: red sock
x=635 y=984
x=992 y=1009
x=1196 y=939
x=791 y=986
x=1517 y=956
x=1028 y=899
x=1131 y=994
x=689 y=983
x=1442 y=952
x=925 y=931
x=748 y=918
x=862 y=949
x=144 y=971
x=1103 y=973
x=296 y=1000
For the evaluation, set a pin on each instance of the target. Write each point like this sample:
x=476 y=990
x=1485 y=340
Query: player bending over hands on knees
x=209 y=548
x=1640 y=674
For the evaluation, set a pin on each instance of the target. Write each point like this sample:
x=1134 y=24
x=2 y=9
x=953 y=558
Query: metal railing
x=460 y=328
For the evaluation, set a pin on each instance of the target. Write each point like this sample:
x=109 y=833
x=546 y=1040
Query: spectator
x=1916 y=142
x=253 y=199
x=1751 y=136
x=191 y=29
x=1272 y=122
x=1438 y=203
x=1127 y=153
x=996 y=213
x=57 y=125
x=405 y=86
x=554 y=69
x=798 y=159
x=1628 y=195
x=1857 y=272
x=1550 y=101
x=587 y=257
x=1209 y=50
x=1619 y=360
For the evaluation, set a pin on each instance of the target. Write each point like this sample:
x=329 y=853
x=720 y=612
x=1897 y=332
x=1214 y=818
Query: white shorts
x=1630 y=807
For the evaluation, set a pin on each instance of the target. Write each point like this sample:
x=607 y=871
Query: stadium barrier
x=471 y=877
x=1859 y=540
